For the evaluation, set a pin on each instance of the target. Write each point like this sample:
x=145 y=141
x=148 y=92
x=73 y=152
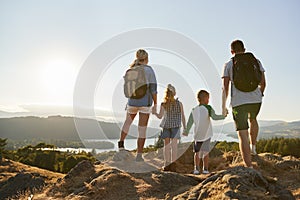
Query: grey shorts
x=202 y=146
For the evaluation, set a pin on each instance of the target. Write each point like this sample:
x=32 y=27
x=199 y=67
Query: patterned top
x=172 y=115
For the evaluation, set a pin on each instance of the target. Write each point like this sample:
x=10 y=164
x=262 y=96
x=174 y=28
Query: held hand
x=185 y=133
x=224 y=111
x=154 y=109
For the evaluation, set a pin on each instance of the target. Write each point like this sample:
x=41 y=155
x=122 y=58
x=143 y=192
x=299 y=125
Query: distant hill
x=58 y=128
x=269 y=129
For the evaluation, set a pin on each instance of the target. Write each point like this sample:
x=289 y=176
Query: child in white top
x=200 y=117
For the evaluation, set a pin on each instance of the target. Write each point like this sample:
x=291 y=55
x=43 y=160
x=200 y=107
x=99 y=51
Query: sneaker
x=139 y=158
x=253 y=151
x=121 y=145
x=205 y=172
x=196 y=172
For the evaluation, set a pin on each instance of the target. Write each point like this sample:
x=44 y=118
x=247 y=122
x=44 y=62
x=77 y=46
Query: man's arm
x=263 y=83
x=225 y=91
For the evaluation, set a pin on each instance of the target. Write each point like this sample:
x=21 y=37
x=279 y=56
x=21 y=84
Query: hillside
x=120 y=177
x=57 y=128
x=268 y=129
x=63 y=128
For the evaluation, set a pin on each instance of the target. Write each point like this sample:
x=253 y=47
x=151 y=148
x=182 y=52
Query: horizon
x=46 y=45
x=106 y=117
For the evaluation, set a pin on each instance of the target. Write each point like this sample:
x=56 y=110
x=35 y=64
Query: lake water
x=131 y=144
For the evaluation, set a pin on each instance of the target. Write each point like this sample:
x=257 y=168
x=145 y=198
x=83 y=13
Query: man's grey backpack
x=246 y=72
x=135 y=82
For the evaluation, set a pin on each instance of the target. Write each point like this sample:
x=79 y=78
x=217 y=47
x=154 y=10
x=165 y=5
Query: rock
x=271 y=157
x=78 y=175
x=123 y=156
x=97 y=162
x=288 y=164
x=20 y=183
x=237 y=183
x=82 y=167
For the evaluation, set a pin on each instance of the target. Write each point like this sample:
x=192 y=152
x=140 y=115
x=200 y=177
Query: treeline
x=17 y=144
x=50 y=159
x=63 y=162
x=282 y=146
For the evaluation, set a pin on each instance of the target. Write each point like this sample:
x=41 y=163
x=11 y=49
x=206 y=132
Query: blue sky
x=43 y=44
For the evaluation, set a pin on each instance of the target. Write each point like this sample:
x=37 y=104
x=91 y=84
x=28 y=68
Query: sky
x=44 y=45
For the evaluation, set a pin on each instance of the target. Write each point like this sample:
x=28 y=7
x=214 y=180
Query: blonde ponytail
x=141 y=56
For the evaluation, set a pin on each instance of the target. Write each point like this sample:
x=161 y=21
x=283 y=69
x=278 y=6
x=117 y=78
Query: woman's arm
x=161 y=112
x=154 y=108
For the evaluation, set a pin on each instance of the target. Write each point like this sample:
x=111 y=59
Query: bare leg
x=174 y=149
x=167 y=151
x=196 y=161
x=205 y=160
x=245 y=147
x=253 y=131
x=128 y=121
x=143 y=122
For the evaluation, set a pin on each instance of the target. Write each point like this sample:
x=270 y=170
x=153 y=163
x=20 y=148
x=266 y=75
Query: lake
x=131 y=144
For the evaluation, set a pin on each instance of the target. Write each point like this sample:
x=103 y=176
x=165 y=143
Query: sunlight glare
x=58 y=78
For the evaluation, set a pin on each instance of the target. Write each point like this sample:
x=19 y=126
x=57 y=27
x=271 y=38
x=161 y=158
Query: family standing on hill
x=243 y=71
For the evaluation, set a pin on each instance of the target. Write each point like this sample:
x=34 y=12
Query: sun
x=58 y=78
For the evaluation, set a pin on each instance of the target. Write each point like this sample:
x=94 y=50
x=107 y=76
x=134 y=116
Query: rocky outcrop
x=274 y=177
x=237 y=183
x=21 y=183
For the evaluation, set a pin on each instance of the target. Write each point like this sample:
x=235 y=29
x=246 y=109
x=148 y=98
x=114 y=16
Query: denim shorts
x=170 y=133
x=242 y=113
x=202 y=145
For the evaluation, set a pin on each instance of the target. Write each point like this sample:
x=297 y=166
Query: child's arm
x=214 y=116
x=161 y=112
x=189 y=124
x=182 y=116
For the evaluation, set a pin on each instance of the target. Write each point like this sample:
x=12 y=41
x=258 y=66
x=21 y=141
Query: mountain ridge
x=60 y=128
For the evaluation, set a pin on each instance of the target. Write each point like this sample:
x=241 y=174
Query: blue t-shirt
x=152 y=89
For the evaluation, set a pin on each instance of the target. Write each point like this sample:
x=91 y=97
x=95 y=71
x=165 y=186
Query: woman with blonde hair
x=171 y=110
x=142 y=105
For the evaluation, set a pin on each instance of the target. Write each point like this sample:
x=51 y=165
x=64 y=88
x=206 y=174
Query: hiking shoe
x=139 y=158
x=196 y=172
x=121 y=145
x=205 y=172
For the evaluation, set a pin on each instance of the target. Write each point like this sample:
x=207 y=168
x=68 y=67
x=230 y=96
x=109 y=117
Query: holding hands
x=185 y=132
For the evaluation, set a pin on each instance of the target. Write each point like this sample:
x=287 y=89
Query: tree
x=3 y=143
